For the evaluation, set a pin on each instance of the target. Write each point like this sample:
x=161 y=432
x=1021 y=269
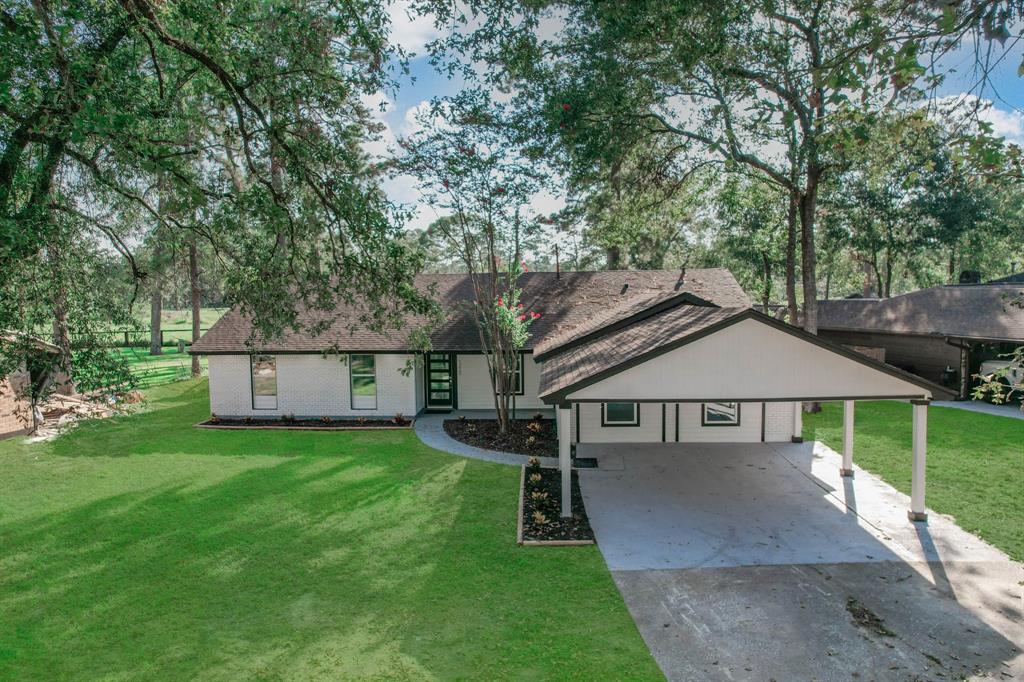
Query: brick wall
x=13 y=411
x=309 y=385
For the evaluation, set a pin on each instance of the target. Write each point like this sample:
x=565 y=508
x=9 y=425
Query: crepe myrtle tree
x=468 y=167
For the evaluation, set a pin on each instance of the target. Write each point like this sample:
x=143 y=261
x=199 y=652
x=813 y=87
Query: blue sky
x=1006 y=91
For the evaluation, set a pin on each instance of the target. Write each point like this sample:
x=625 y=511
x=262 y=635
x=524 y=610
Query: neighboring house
x=942 y=334
x=622 y=356
x=15 y=410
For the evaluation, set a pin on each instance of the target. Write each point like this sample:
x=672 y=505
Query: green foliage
x=98 y=371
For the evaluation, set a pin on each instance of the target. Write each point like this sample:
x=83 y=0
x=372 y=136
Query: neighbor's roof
x=567 y=302
x=969 y=311
x=1016 y=278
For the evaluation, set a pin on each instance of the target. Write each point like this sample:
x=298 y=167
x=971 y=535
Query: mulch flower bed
x=325 y=424
x=525 y=436
x=540 y=518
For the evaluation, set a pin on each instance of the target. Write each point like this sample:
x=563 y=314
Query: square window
x=720 y=414
x=620 y=414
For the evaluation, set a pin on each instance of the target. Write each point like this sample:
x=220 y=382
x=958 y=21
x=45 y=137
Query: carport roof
x=598 y=357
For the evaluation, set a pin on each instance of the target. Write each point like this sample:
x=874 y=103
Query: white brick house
x=621 y=356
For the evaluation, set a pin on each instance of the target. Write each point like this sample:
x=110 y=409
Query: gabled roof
x=967 y=311
x=563 y=372
x=565 y=302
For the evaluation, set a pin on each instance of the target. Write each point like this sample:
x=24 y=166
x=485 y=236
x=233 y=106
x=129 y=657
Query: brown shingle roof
x=961 y=311
x=564 y=303
x=575 y=364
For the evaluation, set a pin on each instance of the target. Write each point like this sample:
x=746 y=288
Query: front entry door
x=440 y=369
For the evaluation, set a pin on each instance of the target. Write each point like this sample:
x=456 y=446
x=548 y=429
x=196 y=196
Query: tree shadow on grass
x=301 y=568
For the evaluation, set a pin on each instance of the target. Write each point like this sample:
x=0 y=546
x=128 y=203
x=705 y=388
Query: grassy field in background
x=975 y=465
x=155 y=370
x=140 y=547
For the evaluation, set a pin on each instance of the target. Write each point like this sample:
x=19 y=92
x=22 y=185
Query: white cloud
x=1006 y=124
x=409 y=30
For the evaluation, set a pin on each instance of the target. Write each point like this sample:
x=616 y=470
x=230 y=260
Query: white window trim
x=633 y=422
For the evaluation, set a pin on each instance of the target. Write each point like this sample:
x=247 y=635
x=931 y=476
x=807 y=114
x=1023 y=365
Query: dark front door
x=440 y=369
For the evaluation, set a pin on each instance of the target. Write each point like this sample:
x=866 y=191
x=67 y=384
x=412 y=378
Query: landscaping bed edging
x=578 y=525
x=337 y=425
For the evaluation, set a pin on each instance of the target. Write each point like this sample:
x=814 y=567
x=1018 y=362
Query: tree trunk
x=61 y=333
x=613 y=258
x=156 y=301
x=766 y=293
x=791 y=258
x=808 y=207
x=193 y=278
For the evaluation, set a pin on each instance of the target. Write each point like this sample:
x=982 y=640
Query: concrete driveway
x=760 y=562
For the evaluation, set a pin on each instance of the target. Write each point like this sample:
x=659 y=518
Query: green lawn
x=154 y=370
x=143 y=548
x=975 y=468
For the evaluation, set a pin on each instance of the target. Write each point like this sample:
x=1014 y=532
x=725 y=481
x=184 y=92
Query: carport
x=721 y=363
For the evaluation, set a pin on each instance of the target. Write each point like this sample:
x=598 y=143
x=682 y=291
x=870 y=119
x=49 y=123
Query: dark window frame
x=636 y=413
x=252 y=381
x=704 y=415
x=352 y=385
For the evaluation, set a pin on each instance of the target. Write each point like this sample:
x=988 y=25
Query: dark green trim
x=559 y=395
x=576 y=409
x=453 y=382
x=636 y=409
x=703 y=413
x=764 y=414
x=920 y=402
x=660 y=307
x=677 y=422
x=662 y=422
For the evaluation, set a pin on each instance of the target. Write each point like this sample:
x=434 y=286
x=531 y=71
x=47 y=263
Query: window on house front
x=363 y=374
x=720 y=414
x=620 y=414
x=264 y=382
x=517 y=377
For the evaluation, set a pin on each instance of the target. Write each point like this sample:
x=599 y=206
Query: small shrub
x=530 y=441
x=537 y=417
x=362 y=421
x=248 y=420
x=540 y=518
x=461 y=417
x=534 y=478
x=399 y=419
x=470 y=428
x=214 y=419
x=535 y=426
x=325 y=419
x=539 y=495
x=288 y=418
x=533 y=462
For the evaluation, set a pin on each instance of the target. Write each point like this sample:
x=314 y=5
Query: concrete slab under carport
x=742 y=561
x=675 y=505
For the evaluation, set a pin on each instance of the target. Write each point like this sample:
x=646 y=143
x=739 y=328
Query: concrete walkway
x=1011 y=411
x=757 y=562
x=429 y=428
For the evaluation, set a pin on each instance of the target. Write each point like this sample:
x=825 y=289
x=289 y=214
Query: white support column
x=564 y=461
x=798 y=422
x=920 y=444
x=847 y=468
